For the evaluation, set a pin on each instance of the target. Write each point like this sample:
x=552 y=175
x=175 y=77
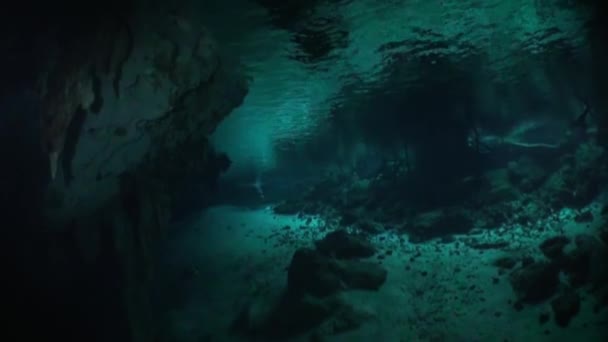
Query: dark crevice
x=71 y=140
x=124 y=59
x=98 y=102
x=131 y=204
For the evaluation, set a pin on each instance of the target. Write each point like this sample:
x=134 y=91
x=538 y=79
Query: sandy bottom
x=435 y=291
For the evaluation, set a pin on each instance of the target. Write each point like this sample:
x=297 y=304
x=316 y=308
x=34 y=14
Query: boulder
x=342 y=245
x=311 y=272
x=438 y=223
x=585 y=262
x=553 y=248
x=535 y=282
x=315 y=279
x=505 y=263
x=293 y=316
x=287 y=316
x=565 y=307
x=578 y=180
x=361 y=275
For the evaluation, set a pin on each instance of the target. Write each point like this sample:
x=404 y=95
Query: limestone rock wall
x=153 y=94
x=127 y=98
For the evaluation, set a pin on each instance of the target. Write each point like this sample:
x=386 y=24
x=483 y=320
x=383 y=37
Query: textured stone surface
x=127 y=97
x=311 y=272
x=342 y=245
x=535 y=282
x=171 y=93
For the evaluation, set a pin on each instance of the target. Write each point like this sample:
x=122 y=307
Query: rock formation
x=127 y=97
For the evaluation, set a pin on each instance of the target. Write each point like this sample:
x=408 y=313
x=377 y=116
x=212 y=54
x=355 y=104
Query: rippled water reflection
x=307 y=58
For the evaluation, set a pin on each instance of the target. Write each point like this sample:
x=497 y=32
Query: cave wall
x=122 y=102
x=598 y=35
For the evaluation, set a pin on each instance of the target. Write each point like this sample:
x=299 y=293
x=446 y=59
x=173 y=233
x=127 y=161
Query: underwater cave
x=327 y=170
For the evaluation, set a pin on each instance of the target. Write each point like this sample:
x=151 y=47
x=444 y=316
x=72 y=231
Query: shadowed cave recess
x=322 y=170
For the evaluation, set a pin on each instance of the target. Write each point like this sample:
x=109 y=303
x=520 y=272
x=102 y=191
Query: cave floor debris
x=440 y=290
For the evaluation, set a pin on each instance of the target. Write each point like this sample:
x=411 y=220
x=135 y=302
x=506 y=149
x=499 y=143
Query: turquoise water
x=310 y=63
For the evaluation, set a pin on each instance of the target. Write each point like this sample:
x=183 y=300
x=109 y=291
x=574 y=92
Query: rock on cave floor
x=435 y=291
